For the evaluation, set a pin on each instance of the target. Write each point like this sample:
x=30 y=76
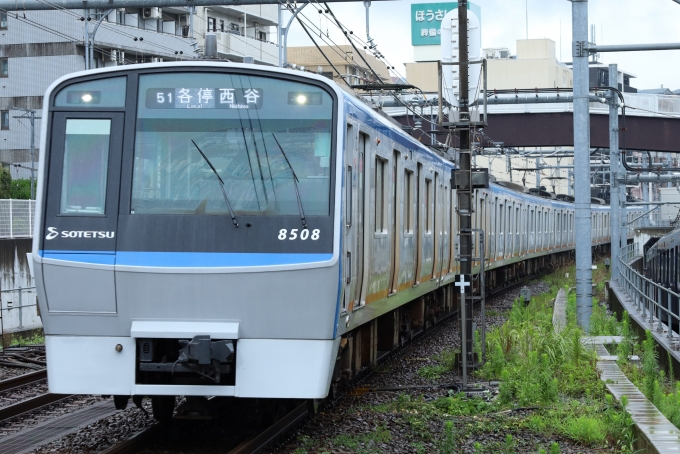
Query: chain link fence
x=16 y=218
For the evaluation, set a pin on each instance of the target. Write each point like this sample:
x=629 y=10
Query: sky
x=503 y=22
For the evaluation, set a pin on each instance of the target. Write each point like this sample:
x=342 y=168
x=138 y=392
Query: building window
x=221 y=25
x=212 y=27
x=3 y=20
x=4 y=119
x=262 y=36
x=4 y=67
x=233 y=27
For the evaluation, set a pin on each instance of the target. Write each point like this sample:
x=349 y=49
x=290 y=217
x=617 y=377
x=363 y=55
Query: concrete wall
x=423 y=76
x=15 y=274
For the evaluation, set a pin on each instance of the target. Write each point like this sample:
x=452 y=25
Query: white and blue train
x=220 y=229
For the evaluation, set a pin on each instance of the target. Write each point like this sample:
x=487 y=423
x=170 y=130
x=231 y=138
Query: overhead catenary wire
x=322 y=52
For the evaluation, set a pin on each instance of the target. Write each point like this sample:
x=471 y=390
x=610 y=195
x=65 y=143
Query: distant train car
x=220 y=229
x=661 y=266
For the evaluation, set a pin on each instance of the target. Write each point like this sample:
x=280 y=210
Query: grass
x=548 y=374
x=447 y=362
x=12 y=340
x=528 y=356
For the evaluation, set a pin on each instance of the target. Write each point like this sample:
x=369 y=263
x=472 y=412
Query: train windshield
x=257 y=132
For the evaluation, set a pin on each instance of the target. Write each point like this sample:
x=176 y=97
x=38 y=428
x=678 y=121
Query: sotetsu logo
x=53 y=233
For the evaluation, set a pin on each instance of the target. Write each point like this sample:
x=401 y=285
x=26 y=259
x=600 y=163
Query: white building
x=38 y=47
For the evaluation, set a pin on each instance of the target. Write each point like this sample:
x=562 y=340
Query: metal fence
x=651 y=299
x=16 y=218
x=18 y=311
x=657 y=219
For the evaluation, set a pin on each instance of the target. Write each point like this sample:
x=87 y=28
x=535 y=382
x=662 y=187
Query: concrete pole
x=614 y=157
x=584 y=259
x=280 y=36
x=464 y=190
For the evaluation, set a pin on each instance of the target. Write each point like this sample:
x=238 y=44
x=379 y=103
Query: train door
x=435 y=227
x=419 y=224
x=81 y=215
x=348 y=215
x=500 y=230
x=360 y=261
x=446 y=221
x=395 y=229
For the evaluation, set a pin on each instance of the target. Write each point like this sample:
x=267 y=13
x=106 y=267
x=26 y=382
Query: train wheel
x=163 y=407
x=120 y=402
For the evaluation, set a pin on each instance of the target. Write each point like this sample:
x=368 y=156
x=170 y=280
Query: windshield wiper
x=295 y=183
x=224 y=193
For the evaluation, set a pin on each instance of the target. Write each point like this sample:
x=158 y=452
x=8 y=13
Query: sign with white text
x=426 y=21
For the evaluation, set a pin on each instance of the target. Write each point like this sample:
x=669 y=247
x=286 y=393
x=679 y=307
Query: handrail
x=647 y=295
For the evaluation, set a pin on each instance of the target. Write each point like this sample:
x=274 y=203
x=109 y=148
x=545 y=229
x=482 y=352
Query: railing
x=657 y=220
x=652 y=299
x=16 y=218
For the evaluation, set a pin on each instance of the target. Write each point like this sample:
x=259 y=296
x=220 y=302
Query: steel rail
x=30 y=404
x=22 y=380
x=281 y=426
x=134 y=443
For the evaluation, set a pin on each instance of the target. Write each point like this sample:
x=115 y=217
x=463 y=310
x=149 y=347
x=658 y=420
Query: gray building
x=38 y=47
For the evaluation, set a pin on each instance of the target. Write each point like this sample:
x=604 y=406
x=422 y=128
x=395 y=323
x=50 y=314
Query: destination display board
x=204 y=98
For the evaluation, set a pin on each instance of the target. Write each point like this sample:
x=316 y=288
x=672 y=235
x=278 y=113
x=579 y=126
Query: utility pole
x=30 y=114
x=584 y=258
x=614 y=157
x=464 y=189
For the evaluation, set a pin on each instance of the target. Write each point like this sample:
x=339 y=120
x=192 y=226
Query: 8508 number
x=297 y=234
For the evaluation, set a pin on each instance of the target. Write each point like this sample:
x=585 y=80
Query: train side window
x=379 y=195
x=408 y=201
x=86 y=162
x=348 y=197
x=428 y=202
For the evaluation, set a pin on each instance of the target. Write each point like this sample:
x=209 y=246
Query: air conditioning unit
x=151 y=13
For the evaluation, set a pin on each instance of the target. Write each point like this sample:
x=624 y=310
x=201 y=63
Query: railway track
x=277 y=431
x=15 y=384
x=21 y=380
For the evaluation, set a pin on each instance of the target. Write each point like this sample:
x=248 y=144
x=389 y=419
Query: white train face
x=164 y=185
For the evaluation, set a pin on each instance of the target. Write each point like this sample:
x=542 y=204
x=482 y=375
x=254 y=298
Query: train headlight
x=86 y=97
x=308 y=98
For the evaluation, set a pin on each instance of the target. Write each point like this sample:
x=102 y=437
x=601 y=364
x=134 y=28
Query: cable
x=355 y=47
x=322 y=52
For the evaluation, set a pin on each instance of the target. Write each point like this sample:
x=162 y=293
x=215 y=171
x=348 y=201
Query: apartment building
x=38 y=47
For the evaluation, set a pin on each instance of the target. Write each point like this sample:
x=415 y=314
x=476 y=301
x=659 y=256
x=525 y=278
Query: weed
x=447 y=362
x=587 y=430
x=448 y=445
x=364 y=443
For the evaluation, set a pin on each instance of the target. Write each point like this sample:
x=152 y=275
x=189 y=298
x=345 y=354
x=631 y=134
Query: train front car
x=185 y=241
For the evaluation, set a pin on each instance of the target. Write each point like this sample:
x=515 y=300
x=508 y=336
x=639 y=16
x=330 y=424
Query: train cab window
x=93 y=93
x=86 y=158
x=268 y=139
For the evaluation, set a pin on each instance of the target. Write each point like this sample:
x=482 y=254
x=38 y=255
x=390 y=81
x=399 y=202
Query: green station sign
x=426 y=21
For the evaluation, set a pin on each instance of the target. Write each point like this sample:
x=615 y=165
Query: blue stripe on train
x=185 y=259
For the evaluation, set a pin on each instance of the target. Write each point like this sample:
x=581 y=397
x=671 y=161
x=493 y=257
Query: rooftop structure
x=343 y=57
